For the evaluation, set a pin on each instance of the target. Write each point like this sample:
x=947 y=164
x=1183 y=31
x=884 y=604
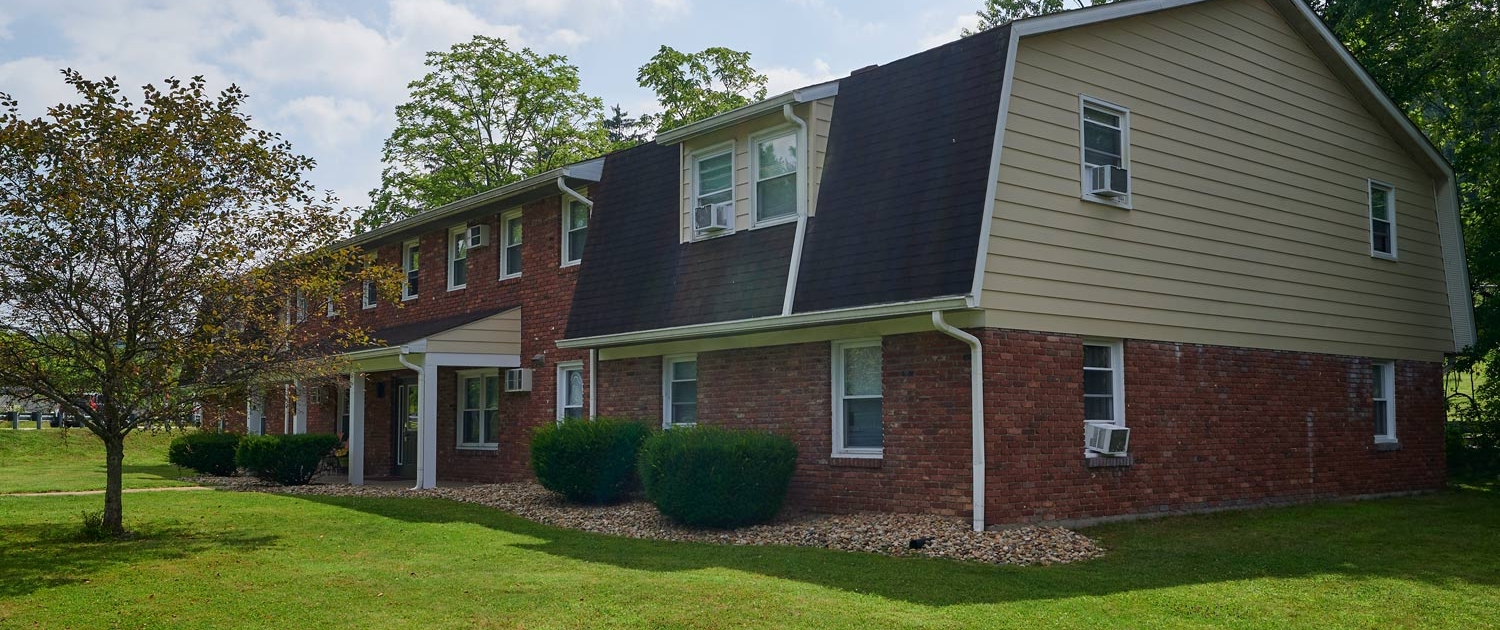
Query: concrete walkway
x=77 y=493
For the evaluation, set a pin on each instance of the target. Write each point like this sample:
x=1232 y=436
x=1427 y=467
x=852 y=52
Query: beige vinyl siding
x=818 y=115
x=497 y=334
x=1249 y=223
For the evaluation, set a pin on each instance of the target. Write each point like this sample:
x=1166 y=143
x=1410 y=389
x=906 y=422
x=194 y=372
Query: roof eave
x=753 y=110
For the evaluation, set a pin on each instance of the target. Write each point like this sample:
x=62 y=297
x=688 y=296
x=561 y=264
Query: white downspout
x=593 y=354
x=421 y=461
x=802 y=183
x=976 y=409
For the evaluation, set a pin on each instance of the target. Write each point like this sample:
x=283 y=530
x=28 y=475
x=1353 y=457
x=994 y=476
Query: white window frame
x=696 y=156
x=1117 y=368
x=1390 y=198
x=1087 y=102
x=406 y=270
x=506 y=272
x=837 y=364
x=667 y=421
x=567 y=208
x=459 y=409
x=1388 y=374
x=764 y=135
x=366 y=292
x=456 y=233
x=301 y=305
x=331 y=307
x=562 y=389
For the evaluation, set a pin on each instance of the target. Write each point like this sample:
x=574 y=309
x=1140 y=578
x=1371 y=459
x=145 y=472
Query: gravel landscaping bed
x=883 y=533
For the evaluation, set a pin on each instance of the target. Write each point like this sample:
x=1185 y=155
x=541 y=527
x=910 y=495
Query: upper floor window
x=331 y=308
x=775 y=170
x=680 y=385
x=857 y=399
x=411 y=256
x=1104 y=144
x=575 y=231
x=301 y=306
x=368 y=294
x=1383 y=375
x=510 y=244
x=1382 y=220
x=1104 y=383
x=458 y=257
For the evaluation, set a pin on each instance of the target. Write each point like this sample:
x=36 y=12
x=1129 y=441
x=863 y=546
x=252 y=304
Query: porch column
x=357 y=428
x=299 y=419
x=427 y=426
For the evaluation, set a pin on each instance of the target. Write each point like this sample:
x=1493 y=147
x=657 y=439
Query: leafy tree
x=133 y=249
x=482 y=117
x=624 y=131
x=1000 y=12
x=694 y=86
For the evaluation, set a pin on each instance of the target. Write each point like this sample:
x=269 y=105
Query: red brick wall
x=1210 y=426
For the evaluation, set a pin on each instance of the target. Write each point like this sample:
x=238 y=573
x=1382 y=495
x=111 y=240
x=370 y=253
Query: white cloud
x=36 y=83
x=566 y=38
x=953 y=31
x=331 y=123
x=782 y=79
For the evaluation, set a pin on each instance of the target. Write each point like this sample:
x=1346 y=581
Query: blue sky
x=328 y=74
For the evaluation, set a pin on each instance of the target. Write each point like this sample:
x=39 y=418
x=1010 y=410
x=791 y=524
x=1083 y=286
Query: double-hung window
x=680 y=385
x=411 y=256
x=1104 y=383
x=775 y=170
x=1382 y=220
x=1105 y=144
x=857 y=409
x=569 y=390
x=1383 y=377
x=575 y=231
x=510 y=244
x=301 y=306
x=458 y=257
x=478 y=408
x=368 y=294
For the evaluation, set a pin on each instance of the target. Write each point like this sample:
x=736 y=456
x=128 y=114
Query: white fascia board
x=761 y=108
x=590 y=170
x=991 y=189
x=771 y=323
x=472 y=359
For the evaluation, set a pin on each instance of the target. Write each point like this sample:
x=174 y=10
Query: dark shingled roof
x=898 y=214
x=637 y=276
x=407 y=333
x=902 y=197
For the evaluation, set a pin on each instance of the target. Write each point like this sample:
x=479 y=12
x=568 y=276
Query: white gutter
x=796 y=265
x=421 y=461
x=563 y=186
x=769 y=323
x=976 y=409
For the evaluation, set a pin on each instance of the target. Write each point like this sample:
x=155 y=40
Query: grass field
x=211 y=559
x=54 y=460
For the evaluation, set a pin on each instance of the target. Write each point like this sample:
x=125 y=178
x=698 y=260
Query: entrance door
x=405 y=430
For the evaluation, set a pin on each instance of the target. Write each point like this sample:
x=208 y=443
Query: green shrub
x=289 y=460
x=208 y=453
x=93 y=526
x=710 y=477
x=588 y=461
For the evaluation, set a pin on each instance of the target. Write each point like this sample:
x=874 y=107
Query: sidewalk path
x=88 y=492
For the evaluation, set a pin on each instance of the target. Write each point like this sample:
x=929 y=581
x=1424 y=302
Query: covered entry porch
x=404 y=375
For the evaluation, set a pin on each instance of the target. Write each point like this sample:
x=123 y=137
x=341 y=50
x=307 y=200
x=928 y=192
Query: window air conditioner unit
x=1106 y=439
x=518 y=380
x=1108 y=181
x=713 y=217
x=479 y=236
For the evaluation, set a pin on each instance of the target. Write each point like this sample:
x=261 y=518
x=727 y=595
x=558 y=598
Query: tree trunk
x=114 y=511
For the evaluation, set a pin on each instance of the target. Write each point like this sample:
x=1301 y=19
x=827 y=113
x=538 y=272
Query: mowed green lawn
x=215 y=559
x=53 y=460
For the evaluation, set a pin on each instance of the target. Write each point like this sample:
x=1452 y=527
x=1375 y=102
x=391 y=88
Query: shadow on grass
x=47 y=555
x=1438 y=539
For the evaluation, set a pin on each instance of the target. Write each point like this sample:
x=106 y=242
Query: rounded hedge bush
x=289 y=460
x=710 y=477
x=588 y=461
x=208 y=453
